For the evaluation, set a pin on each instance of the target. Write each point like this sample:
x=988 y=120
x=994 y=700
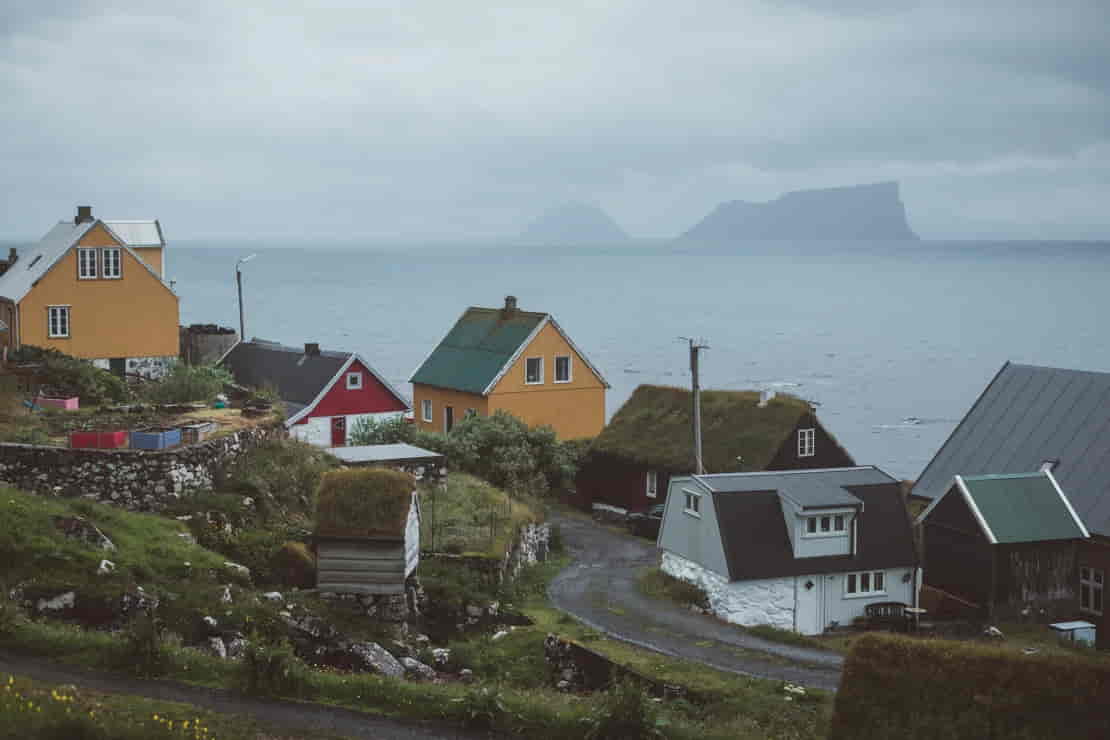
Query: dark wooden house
x=650 y=439
x=367 y=531
x=1007 y=543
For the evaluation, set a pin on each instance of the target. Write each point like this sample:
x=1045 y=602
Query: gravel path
x=291 y=716
x=599 y=588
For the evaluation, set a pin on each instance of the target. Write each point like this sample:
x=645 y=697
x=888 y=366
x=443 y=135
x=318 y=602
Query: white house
x=802 y=550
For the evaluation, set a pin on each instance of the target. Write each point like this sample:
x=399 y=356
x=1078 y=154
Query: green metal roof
x=476 y=349
x=1024 y=507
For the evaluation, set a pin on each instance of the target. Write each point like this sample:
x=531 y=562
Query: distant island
x=574 y=223
x=857 y=212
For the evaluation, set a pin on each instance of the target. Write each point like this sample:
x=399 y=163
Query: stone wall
x=578 y=668
x=133 y=479
x=765 y=601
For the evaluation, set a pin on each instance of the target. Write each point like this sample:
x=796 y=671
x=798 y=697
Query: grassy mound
x=370 y=502
x=910 y=689
x=472 y=517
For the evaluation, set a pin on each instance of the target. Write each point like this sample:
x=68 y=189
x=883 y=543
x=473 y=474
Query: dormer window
x=806 y=442
x=838 y=523
x=826 y=525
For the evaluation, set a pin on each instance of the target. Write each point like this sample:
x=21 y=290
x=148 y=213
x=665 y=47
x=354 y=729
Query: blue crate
x=155 y=439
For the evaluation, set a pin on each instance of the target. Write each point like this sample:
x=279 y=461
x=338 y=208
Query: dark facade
x=615 y=481
x=1095 y=553
x=1003 y=579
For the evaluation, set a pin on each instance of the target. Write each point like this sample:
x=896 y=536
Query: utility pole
x=239 y=285
x=695 y=346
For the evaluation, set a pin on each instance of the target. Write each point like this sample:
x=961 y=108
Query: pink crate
x=69 y=404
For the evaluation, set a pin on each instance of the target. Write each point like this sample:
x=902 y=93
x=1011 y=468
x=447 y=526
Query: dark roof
x=653 y=428
x=477 y=348
x=1027 y=507
x=298 y=377
x=1029 y=415
x=764 y=550
x=810 y=489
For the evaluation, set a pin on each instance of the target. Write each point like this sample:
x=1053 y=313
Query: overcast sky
x=446 y=119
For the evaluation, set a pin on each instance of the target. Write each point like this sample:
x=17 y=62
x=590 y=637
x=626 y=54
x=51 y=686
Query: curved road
x=599 y=588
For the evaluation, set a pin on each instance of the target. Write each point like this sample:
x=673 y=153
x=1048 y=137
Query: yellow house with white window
x=93 y=289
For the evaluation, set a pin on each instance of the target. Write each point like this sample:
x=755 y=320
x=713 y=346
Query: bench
x=887 y=614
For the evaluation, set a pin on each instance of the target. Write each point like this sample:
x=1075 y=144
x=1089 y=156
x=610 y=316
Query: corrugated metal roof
x=811 y=485
x=137 y=233
x=1022 y=508
x=1029 y=415
x=17 y=282
x=383 y=453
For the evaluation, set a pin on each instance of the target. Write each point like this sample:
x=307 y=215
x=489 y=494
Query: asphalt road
x=287 y=715
x=599 y=588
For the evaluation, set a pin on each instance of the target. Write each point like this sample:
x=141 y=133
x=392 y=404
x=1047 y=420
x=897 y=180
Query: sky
x=447 y=120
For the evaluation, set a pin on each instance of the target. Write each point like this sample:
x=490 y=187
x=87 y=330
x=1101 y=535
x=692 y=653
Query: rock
x=399 y=648
x=441 y=656
x=187 y=538
x=993 y=633
x=225 y=597
x=248 y=502
x=473 y=611
x=377 y=659
x=210 y=622
x=80 y=528
x=240 y=570
x=59 y=602
x=216 y=645
x=563 y=685
x=466 y=675
x=105 y=567
x=273 y=596
x=235 y=647
x=498 y=635
x=416 y=669
x=494 y=608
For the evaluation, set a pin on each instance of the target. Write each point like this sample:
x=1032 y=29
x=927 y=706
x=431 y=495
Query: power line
x=696 y=345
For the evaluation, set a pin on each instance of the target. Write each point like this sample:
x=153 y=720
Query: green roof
x=1025 y=507
x=476 y=349
x=363 y=502
x=654 y=428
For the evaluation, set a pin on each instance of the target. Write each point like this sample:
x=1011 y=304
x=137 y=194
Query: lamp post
x=239 y=285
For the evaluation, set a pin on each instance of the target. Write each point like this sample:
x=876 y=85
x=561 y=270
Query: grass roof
x=654 y=428
x=371 y=502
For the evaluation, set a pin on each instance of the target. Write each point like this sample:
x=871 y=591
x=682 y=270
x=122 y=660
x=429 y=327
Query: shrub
x=143 y=650
x=187 y=383
x=481 y=708
x=660 y=585
x=10 y=612
x=624 y=712
x=294 y=565
x=74 y=375
x=281 y=474
x=369 y=431
x=270 y=668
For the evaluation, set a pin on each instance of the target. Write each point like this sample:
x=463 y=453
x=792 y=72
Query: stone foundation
x=765 y=601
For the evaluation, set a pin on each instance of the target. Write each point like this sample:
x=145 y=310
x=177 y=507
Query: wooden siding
x=958 y=556
x=441 y=397
x=827 y=453
x=1095 y=553
x=605 y=479
x=367 y=565
x=1042 y=575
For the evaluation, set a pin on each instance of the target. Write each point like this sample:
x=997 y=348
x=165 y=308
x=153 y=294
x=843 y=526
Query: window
x=354 y=381
x=1091 y=582
x=838 y=523
x=830 y=525
x=868 y=582
x=562 y=369
x=826 y=523
x=805 y=442
x=58 y=321
x=692 y=502
x=652 y=484
x=533 y=371
x=426 y=410
x=86 y=264
x=111 y=265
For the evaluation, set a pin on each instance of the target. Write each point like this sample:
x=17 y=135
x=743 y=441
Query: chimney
x=6 y=265
x=311 y=349
x=510 y=305
x=765 y=397
x=84 y=214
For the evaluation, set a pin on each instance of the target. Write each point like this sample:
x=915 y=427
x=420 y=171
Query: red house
x=325 y=393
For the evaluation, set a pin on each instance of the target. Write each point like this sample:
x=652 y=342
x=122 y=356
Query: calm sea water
x=894 y=341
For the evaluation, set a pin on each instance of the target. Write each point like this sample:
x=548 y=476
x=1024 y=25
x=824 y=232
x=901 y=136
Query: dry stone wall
x=141 y=480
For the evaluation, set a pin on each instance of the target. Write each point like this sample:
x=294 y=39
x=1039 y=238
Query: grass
x=371 y=502
x=471 y=517
x=656 y=584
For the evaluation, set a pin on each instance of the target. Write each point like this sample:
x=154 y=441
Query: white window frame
x=426 y=410
x=818 y=521
x=357 y=384
x=533 y=382
x=692 y=505
x=651 y=484
x=83 y=253
x=853 y=584
x=840 y=523
x=118 y=274
x=570 y=368
x=807 y=442
x=1094 y=580
x=62 y=311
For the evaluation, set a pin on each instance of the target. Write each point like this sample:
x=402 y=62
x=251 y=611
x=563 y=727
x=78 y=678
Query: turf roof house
x=800 y=550
x=1008 y=543
x=650 y=439
x=505 y=359
x=325 y=393
x=1028 y=419
x=93 y=289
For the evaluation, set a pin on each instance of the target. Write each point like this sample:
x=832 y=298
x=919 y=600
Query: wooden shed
x=367 y=531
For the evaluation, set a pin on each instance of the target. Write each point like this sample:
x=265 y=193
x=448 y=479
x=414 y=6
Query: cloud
x=439 y=119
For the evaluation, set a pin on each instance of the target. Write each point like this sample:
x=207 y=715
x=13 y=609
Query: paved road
x=599 y=588
x=291 y=716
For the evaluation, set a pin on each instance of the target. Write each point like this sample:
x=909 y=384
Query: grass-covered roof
x=654 y=428
x=368 y=502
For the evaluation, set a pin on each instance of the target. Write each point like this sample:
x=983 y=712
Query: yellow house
x=93 y=289
x=505 y=359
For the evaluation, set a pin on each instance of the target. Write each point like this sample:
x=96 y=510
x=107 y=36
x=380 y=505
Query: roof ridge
x=1001 y=476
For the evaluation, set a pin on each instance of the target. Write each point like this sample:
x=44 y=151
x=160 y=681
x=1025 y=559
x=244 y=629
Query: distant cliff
x=858 y=212
x=574 y=223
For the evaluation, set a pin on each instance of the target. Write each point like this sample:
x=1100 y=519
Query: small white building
x=801 y=550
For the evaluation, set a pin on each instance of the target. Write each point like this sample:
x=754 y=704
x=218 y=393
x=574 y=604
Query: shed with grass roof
x=367 y=531
x=650 y=439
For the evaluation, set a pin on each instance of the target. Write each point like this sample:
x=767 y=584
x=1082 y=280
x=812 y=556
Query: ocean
x=894 y=341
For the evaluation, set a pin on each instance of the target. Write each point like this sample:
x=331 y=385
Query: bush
x=369 y=431
x=625 y=713
x=281 y=475
x=270 y=668
x=659 y=585
x=294 y=565
x=73 y=375
x=188 y=383
x=143 y=650
x=481 y=708
x=10 y=612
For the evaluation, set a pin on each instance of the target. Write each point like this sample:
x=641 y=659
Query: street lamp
x=239 y=284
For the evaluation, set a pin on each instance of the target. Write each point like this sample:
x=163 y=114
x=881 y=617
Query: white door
x=807 y=606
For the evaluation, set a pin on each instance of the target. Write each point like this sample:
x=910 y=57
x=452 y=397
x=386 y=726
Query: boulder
x=58 y=603
x=216 y=645
x=106 y=567
x=273 y=596
x=377 y=659
x=225 y=597
x=241 y=571
x=416 y=669
x=235 y=647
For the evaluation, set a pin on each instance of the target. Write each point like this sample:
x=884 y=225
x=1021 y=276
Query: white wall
x=317 y=430
x=764 y=601
x=412 y=537
x=842 y=609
